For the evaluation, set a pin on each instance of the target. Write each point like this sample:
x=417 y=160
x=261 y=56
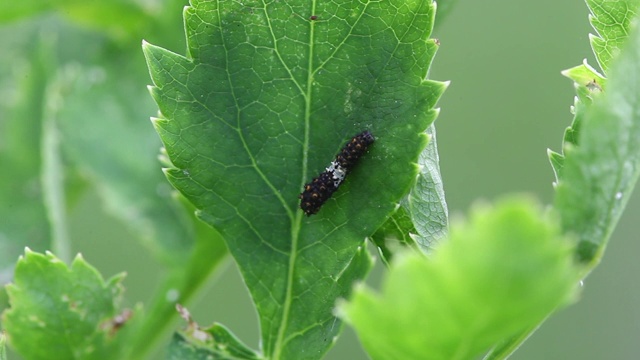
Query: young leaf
x=63 y=311
x=501 y=272
x=600 y=173
x=266 y=98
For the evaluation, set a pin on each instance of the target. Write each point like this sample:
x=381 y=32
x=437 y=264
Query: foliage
x=501 y=272
x=68 y=312
x=265 y=96
x=241 y=153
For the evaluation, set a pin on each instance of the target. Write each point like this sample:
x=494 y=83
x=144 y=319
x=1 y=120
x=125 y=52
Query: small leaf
x=586 y=75
x=501 y=272
x=63 y=310
x=426 y=202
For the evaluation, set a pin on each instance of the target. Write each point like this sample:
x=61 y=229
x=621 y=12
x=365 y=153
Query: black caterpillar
x=324 y=185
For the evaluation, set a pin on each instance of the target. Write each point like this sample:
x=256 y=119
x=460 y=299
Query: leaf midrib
x=296 y=224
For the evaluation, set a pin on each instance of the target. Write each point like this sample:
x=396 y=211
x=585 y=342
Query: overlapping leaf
x=267 y=96
x=503 y=271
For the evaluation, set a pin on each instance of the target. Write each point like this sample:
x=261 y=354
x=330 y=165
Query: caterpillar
x=320 y=189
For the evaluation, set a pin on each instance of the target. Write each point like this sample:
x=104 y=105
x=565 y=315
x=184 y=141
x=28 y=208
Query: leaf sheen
x=263 y=102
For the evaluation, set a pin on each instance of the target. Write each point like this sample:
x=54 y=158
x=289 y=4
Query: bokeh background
x=507 y=103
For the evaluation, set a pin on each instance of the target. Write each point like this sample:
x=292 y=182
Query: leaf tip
x=27 y=250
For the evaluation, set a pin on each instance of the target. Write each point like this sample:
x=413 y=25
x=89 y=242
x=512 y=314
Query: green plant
x=265 y=97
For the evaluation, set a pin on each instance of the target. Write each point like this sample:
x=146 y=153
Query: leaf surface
x=66 y=311
x=267 y=96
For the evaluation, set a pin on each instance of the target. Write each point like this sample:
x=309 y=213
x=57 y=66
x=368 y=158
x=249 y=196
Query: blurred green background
x=507 y=103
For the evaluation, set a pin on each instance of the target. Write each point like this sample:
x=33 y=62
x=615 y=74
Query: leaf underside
x=263 y=102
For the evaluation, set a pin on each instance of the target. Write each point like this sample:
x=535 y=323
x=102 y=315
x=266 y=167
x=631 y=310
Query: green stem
x=52 y=176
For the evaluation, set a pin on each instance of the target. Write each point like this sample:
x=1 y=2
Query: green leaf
x=600 y=173
x=426 y=202
x=588 y=84
x=587 y=76
x=508 y=346
x=266 y=98
x=502 y=271
x=66 y=311
x=612 y=21
x=423 y=217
